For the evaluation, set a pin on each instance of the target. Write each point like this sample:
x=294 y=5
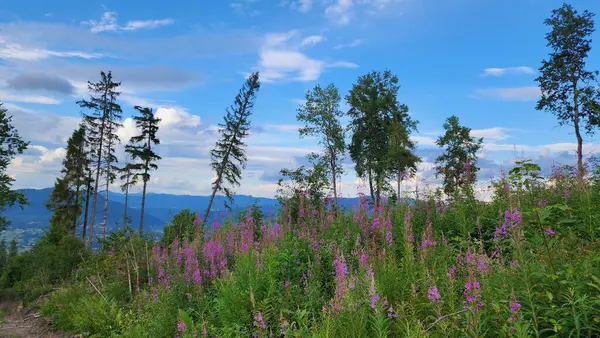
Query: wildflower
x=197 y=220
x=374 y=299
x=482 y=265
x=542 y=203
x=391 y=314
x=511 y=221
x=283 y=324
x=411 y=238
x=433 y=294
x=196 y=277
x=451 y=272
x=340 y=277
x=286 y=284
x=472 y=296
x=363 y=260
x=515 y=308
x=180 y=326
x=549 y=232
x=259 y=321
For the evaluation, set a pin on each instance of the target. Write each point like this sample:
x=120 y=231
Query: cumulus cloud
x=530 y=93
x=280 y=58
x=507 y=71
x=41 y=81
x=108 y=23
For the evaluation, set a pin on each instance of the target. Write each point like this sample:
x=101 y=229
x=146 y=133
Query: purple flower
x=542 y=203
x=180 y=326
x=512 y=220
x=433 y=294
x=549 y=232
x=374 y=299
x=259 y=321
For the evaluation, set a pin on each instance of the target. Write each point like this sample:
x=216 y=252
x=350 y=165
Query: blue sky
x=475 y=59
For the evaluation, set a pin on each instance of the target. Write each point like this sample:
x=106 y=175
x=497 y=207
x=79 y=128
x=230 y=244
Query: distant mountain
x=29 y=224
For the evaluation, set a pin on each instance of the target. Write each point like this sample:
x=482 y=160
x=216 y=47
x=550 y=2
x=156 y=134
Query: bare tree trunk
x=210 y=202
x=334 y=174
x=125 y=206
x=87 y=204
x=105 y=203
x=580 y=169
x=371 y=185
x=95 y=196
x=77 y=212
x=143 y=204
x=399 y=181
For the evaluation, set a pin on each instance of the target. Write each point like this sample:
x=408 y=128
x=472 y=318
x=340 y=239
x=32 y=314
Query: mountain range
x=27 y=225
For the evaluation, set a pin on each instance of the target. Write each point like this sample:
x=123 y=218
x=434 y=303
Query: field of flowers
x=525 y=264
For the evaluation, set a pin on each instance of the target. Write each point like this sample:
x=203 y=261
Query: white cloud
x=312 y=40
x=507 y=71
x=140 y=24
x=530 y=93
x=28 y=98
x=304 y=5
x=341 y=11
x=15 y=51
x=108 y=23
x=491 y=134
x=280 y=58
x=352 y=44
x=244 y=7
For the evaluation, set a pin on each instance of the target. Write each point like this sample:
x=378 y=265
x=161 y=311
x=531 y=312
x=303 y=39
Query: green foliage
x=180 y=228
x=458 y=164
x=373 y=106
x=228 y=158
x=11 y=145
x=569 y=89
x=140 y=149
x=101 y=126
x=303 y=183
x=321 y=114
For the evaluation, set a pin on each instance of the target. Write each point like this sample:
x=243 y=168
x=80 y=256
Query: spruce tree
x=66 y=197
x=141 y=151
x=101 y=126
x=321 y=114
x=11 y=145
x=229 y=155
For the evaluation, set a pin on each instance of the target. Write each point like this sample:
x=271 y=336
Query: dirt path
x=17 y=322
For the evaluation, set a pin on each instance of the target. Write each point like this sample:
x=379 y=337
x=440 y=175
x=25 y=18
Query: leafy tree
x=229 y=155
x=321 y=114
x=140 y=150
x=3 y=256
x=181 y=227
x=457 y=164
x=13 y=250
x=11 y=145
x=101 y=126
x=129 y=180
x=373 y=102
x=307 y=181
x=403 y=161
x=569 y=90
x=65 y=199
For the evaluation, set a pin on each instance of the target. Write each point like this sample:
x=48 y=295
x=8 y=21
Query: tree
x=140 y=150
x=101 y=127
x=129 y=180
x=569 y=90
x=13 y=250
x=373 y=104
x=304 y=181
x=228 y=158
x=403 y=161
x=457 y=164
x=11 y=145
x=321 y=114
x=65 y=200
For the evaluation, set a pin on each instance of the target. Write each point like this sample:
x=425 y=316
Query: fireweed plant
x=524 y=264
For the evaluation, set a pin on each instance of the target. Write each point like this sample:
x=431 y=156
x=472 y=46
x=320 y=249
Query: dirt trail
x=20 y=323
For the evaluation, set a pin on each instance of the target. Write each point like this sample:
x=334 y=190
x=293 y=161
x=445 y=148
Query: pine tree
x=458 y=163
x=3 y=256
x=101 y=126
x=229 y=155
x=129 y=180
x=11 y=145
x=569 y=90
x=66 y=197
x=321 y=114
x=141 y=151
